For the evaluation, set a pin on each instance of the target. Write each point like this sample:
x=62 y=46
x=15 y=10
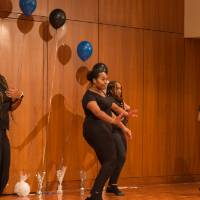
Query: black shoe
x=94 y=197
x=114 y=189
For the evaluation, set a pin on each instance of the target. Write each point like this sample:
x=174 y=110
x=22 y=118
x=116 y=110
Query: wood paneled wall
x=163 y=77
x=123 y=13
x=67 y=83
x=191 y=102
x=164 y=15
x=129 y=72
x=142 y=43
x=22 y=62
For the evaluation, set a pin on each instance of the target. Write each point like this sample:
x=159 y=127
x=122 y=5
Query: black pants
x=4 y=159
x=99 y=137
x=121 y=146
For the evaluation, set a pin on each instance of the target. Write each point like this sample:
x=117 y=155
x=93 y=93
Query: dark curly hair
x=111 y=89
x=97 y=68
x=111 y=92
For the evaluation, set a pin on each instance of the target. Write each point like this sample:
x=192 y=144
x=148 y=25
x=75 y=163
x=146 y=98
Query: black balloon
x=57 y=18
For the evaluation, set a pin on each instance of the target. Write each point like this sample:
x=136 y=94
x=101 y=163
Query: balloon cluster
x=57 y=19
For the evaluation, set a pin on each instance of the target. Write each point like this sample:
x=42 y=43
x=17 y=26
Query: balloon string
x=45 y=135
x=19 y=72
x=54 y=69
x=50 y=100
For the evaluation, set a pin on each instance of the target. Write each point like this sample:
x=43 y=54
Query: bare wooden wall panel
x=121 y=49
x=121 y=12
x=164 y=15
x=191 y=103
x=163 y=62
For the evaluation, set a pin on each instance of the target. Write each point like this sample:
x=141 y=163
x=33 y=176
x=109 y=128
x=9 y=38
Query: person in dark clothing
x=10 y=99
x=97 y=126
x=114 y=92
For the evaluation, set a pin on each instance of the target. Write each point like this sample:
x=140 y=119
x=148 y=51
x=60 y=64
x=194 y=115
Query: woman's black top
x=5 y=104
x=104 y=104
x=93 y=126
x=120 y=103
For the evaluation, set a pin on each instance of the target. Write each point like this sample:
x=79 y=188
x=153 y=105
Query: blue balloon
x=27 y=6
x=84 y=50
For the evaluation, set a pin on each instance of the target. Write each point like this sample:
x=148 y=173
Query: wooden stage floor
x=188 y=191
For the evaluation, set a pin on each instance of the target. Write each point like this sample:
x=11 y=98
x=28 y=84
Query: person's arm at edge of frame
x=16 y=102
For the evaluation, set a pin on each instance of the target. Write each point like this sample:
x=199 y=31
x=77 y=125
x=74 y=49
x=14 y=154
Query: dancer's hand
x=118 y=119
x=14 y=93
x=127 y=131
x=121 y=125
x=126 y=107
x=133 y=113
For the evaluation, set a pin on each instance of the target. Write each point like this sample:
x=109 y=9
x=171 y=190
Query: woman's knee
x=121 y=159
x=110 y=164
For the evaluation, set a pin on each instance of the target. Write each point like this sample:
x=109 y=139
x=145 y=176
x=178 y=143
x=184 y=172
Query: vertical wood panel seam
x=142 y=171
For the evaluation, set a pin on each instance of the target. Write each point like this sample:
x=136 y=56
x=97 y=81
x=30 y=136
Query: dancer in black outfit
x=97 y=127
x=10 y=99
x=114 y=92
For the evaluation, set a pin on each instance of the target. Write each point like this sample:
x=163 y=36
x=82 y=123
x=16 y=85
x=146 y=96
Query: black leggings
x=121 y=147
x=101 y=140
x=4 y=159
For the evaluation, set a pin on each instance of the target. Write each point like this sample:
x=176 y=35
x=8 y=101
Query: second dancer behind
x=114 y=92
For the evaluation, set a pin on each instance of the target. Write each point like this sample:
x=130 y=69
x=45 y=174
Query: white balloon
x=22 y=188
x=52 y=31
x=61 y=32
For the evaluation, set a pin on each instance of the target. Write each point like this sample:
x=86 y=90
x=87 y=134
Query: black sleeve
x=109 y=101
x=3 y=82
x=10 y=104
x=87 y=98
